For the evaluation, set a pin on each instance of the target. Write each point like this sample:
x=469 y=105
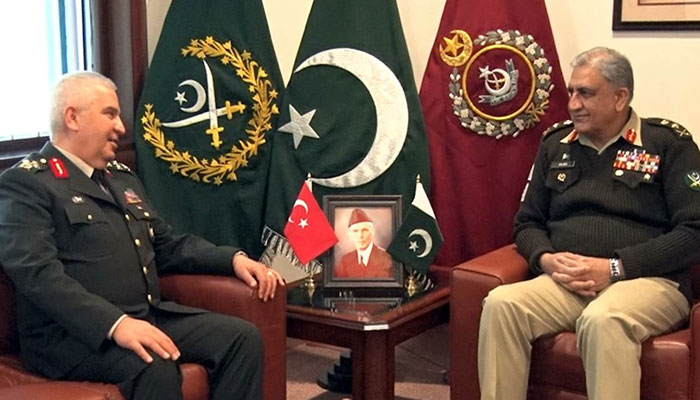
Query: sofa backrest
x=9 y=342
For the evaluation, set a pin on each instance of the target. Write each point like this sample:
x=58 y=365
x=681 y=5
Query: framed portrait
x=364 y=225
x=658 y=15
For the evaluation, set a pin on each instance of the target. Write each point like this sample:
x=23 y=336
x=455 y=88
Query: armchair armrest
x=230 y=296
x=60 y=391
x=694 y=351
x=470 y=282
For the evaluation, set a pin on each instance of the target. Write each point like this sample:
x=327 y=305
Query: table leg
x=373 y=368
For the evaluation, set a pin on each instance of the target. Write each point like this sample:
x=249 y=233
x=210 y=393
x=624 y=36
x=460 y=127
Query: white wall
x=666 y=64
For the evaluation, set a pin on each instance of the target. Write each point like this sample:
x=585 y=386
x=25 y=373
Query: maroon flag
x=307 y=229
x=492 y=85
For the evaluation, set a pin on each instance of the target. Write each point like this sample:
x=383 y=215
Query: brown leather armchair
x=670 y=363
x=217 y=293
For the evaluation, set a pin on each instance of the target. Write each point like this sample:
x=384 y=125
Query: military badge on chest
x=637 y=163
x=131 y=197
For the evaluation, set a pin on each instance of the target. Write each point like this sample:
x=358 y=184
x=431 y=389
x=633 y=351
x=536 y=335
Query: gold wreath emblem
x=225 y=167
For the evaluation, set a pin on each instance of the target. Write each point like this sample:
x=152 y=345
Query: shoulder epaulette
x=557 y=127
x=33 y=162
x=675 y=127
x=114 y=164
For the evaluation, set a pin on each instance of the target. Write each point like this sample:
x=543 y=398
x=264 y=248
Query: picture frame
x=362 y=306
x=656 y=15
x=342 y=263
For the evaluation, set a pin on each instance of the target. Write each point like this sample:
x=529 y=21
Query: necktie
x=98 y=176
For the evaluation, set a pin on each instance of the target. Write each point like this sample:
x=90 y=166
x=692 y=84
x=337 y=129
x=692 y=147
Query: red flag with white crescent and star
x=492 y=86
x=307 y=229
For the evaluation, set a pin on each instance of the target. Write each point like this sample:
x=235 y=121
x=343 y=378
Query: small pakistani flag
x=418 y=239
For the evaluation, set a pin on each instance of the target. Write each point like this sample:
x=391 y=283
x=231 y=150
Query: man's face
x=97 y=127
x=362 y=234
x=594 y=104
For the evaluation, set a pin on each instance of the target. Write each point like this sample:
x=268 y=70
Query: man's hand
x=137 y=335
x=583 y=275
x=256 y=274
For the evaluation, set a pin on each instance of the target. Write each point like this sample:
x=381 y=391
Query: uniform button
x=146 y=214
x=150 y=298
x=89 y=217
x=619 y=172
x=145 y=270
x=137 y=242
x=139 y=207
x=127 y=217
x=43 y=161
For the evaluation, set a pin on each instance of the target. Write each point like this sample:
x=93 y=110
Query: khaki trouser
x=609 y=331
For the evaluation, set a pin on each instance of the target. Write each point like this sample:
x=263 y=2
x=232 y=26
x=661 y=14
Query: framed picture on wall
x=659 y=15
x=364 y=225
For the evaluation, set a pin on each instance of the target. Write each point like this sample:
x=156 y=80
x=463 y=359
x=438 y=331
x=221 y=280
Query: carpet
x=420 y=363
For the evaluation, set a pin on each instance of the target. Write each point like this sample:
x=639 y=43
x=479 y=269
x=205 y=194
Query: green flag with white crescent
x=419 y=238
x=350 y=118
x=208 y=107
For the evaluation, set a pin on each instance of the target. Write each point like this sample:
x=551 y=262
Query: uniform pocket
x=89 y=235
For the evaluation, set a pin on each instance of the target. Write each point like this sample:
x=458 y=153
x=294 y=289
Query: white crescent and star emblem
x=391 y=108
x=426 y=238
x=303 y=222
x=205 y=96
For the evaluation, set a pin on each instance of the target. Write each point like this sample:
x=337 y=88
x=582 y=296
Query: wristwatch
x=615 y=274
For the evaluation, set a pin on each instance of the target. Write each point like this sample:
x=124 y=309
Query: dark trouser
x=229 y=348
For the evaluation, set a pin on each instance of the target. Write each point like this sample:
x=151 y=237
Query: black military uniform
x=81 y=256
x=638 y=199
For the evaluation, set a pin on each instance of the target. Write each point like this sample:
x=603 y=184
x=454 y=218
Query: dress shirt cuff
x=114 y=327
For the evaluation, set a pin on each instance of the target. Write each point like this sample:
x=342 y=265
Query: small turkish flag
x=307 y=229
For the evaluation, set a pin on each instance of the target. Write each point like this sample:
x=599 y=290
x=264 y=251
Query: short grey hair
x=64 y=93
x=614 y=67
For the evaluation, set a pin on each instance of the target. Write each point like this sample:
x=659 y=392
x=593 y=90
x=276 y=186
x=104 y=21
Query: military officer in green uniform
x=85 y=254
x=610 y=224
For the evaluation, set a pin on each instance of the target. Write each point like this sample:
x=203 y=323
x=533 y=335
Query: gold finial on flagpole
x=411 y=284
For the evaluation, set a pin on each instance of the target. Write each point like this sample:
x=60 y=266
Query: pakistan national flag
x=419 y=238
x=204 y=120
x=350 y=117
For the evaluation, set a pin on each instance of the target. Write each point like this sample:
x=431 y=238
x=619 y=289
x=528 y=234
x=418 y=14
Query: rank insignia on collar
x=692 y=179
x=59 y=170
x=638 y=161
x=131 y=197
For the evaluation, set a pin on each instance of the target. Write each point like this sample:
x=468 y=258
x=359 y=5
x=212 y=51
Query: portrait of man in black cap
x=367 y=260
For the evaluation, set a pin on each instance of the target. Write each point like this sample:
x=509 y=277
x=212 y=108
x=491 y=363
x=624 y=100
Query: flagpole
x=412 y=286
x=309 y=280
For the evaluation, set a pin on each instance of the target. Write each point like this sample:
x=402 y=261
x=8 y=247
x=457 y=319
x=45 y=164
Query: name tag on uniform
x=563 y=164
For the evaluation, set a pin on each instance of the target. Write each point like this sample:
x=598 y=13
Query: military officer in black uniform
x=85 y=255
x=610 y=225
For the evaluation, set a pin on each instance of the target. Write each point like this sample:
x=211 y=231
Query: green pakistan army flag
x=350 y=116
x=204 y=120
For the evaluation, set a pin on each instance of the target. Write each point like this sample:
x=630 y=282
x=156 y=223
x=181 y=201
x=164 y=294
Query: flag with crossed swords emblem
x=208 y=107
